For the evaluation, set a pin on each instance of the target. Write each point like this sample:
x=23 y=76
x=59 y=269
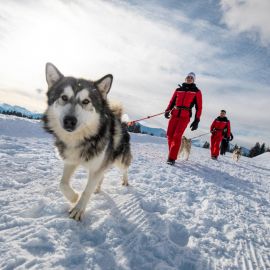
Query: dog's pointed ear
x=52 y=74
x=104 y=85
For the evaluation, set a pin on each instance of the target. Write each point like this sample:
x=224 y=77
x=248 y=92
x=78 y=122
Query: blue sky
x=149 y=47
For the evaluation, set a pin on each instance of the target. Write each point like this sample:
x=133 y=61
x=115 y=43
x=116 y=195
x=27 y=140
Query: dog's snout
x=70 y=123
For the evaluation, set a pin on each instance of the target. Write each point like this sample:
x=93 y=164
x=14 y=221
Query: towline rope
x=200 y=135
x=131 y=123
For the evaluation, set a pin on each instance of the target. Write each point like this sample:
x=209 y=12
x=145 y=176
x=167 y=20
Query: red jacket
x=221 y=126
x=185 y=98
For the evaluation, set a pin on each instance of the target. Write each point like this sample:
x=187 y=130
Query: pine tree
x=206 y=145
x=255 y=150
x=262 y=148
x=136 y=128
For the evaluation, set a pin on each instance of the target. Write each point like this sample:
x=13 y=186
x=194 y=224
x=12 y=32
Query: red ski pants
x=216 y=139
x=176 y=128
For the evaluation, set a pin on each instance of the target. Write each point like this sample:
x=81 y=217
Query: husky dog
x=236 y=154
x=88 y=132
x=185 y=147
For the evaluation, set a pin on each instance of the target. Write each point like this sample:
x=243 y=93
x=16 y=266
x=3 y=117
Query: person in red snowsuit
x=179 y=111
x=220 y=125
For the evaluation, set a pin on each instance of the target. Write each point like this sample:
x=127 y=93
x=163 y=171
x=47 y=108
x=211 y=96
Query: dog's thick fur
x=88 y=131
x=185 y=148
x=236 y=154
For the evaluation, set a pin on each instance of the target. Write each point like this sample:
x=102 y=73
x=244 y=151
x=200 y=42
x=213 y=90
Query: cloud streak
x=248 y=16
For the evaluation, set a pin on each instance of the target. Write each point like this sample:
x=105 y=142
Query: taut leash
x=200 y=135
x=131 y=123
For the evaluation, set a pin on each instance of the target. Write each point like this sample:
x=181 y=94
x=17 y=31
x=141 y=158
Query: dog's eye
x=64 y=98
x=85 y=101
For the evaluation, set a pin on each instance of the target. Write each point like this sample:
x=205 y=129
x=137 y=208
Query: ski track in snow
x=200 y=214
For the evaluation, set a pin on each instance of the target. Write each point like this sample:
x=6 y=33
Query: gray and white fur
x=236 y=154
x=88 y=131
x=185 y=148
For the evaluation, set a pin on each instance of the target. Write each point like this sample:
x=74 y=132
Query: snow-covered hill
x=200 y=214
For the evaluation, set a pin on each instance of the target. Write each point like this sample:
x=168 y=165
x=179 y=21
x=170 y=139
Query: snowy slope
x=201 y=214
x=262 y=159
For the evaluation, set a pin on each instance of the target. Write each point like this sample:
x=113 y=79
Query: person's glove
x=167 y=114
x=194 y=124
x=213 y=130
x=231 y=137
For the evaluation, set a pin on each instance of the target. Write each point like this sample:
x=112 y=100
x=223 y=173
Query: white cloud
x=147 y=52
x=89 y=39
x=250 y=16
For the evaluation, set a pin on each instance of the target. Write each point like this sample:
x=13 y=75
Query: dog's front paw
x=77 y=212
x=125 y=183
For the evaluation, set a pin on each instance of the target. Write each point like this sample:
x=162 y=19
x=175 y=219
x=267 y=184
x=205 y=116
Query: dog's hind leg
x=93 y=179
x=123 y=167
x=187 y=156
x=65 y=187
x=125 y=177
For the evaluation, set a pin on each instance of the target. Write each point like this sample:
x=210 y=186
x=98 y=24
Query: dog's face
x=74 y=105
x=186 y=140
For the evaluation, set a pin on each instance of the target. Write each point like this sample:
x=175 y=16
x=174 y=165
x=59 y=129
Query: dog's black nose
x=70 y=123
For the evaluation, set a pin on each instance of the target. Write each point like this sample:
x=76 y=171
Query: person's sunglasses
x=190 y=77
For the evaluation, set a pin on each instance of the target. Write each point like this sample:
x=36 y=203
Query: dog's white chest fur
x=73 y=155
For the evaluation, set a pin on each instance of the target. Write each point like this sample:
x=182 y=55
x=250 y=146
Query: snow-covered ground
x=199 y=214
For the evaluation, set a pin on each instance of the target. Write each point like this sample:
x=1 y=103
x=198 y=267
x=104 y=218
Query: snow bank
x=21 y=127
x=265 y=157
x=200 y=214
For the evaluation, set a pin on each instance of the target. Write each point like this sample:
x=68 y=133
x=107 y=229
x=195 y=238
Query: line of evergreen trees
x=254 y=151
x=258 y=149
x=19 y=114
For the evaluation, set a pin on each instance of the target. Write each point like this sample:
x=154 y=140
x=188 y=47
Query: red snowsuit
x=218 y=127
x=181 y=103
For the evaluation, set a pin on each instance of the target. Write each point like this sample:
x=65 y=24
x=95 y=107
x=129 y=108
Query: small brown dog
x=236 y=154
x=185 y=148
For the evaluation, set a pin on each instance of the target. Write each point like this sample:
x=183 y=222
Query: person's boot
x=170 y=161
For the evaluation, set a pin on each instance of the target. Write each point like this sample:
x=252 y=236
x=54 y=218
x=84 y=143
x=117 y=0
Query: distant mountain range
x=159 y=132
x=19 y=111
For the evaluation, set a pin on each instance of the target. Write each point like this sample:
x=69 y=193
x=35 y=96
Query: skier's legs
x=171 y=129
x=218 y=139
x=177 y=137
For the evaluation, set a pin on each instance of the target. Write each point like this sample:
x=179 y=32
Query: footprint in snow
x=39 y=245
x=178 y=234
x=153 y=206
